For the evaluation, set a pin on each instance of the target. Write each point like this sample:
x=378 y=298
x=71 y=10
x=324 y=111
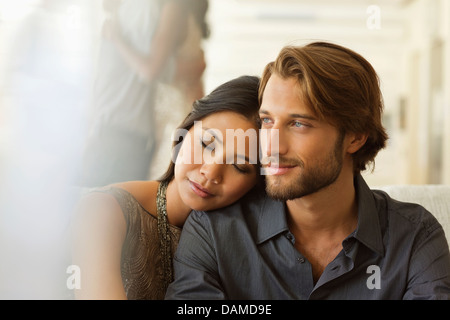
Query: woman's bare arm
x=99 y=231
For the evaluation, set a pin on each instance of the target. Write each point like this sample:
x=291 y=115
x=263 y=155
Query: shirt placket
x=342 y=264
x=303 y=275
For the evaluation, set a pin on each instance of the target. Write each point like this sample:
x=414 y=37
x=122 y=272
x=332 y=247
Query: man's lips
x=199 y=190
x=278 y=169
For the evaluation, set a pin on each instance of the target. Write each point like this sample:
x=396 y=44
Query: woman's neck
x=177 y=210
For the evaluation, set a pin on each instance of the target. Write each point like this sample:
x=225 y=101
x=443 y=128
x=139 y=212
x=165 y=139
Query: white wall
x=247 y=34
x=428 y=91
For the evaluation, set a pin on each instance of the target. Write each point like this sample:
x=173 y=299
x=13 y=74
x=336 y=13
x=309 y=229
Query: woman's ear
x=356 y=141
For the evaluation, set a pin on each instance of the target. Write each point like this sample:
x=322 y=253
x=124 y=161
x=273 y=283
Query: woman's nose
x=212 y=172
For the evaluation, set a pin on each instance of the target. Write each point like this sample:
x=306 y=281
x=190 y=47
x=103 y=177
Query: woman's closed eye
x=243 y=168
x=209 y=145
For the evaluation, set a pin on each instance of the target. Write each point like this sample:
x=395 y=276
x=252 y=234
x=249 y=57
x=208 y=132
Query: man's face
x=309 y=152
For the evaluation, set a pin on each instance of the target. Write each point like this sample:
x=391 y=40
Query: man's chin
x=281 y=191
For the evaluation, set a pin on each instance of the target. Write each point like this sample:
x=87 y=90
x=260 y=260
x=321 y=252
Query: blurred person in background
x=140 y=40
x=190 y=56
x=174 y=98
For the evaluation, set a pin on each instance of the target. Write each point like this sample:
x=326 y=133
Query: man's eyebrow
x=304 y=116
x=293 y=115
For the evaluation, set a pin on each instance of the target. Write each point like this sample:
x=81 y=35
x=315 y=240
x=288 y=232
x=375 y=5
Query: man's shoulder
x=411 y=216
x=247 y=209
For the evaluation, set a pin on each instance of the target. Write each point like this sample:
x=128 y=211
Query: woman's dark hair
x=239 y=95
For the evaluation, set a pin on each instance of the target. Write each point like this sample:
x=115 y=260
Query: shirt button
x=300 y=260
x=290 y=237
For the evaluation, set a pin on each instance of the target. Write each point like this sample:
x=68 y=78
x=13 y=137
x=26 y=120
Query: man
x=319 y=232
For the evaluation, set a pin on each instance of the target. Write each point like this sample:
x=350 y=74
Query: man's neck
x=327 y=213
x=321 y=221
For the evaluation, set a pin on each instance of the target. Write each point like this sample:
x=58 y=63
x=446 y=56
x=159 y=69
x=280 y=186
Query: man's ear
x=356 y=141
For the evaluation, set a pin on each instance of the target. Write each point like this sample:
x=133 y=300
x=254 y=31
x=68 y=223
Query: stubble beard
x=309 y=180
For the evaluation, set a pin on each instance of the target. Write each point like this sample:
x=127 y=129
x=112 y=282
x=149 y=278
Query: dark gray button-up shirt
x=245 y=251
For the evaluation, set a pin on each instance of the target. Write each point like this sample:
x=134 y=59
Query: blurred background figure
x=175 y=97
x=140 y=42
x=190 y=57
x=45 y=73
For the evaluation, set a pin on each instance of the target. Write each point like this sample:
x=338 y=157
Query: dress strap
x=163 y=234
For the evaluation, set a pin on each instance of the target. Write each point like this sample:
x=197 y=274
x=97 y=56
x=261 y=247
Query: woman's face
x=217 y=161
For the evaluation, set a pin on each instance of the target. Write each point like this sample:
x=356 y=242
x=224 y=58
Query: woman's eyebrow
x=211 y=131
x=237 y=156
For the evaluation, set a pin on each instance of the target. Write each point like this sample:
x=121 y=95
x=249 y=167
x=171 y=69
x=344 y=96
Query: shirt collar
x=272 y=218
x=368 y=230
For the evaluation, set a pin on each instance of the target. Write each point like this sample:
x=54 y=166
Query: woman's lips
x=199 y=190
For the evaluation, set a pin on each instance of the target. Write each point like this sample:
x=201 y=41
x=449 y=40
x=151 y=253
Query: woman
x=126 y=234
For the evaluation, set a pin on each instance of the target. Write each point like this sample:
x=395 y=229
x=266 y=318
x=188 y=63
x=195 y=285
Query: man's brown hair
x=340 y=87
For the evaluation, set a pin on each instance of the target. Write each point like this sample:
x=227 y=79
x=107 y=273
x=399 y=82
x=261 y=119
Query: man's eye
x=265 y=120
x=299 y=124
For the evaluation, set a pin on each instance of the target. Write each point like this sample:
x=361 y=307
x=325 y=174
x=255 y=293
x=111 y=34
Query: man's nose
x=272 y=142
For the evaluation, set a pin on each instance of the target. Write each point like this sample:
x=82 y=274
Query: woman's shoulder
x=127 y=197
x=143 y=192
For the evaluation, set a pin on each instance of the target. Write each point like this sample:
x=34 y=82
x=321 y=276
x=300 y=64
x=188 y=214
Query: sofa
x=435 y=198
